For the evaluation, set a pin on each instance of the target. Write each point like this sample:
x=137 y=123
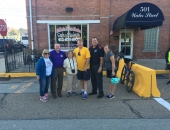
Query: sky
x=14 y=11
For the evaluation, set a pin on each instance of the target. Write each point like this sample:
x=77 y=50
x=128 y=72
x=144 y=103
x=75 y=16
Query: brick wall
x=107 y=11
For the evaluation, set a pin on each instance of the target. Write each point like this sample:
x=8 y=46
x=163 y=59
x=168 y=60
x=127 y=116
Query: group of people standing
x=82 y=64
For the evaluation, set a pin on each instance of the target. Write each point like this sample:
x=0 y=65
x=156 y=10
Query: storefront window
x=52 y=36
x=67 y=36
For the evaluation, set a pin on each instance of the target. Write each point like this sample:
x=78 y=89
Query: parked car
x=11 y=45
x=24 y=40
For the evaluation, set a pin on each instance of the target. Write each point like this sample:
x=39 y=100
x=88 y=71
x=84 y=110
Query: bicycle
x=127 y=75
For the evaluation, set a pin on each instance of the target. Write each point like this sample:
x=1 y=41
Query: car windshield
x=25 y=38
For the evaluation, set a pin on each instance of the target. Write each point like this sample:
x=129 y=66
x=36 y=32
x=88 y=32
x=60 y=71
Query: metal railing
x=19 y=62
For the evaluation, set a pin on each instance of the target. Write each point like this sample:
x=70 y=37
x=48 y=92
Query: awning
x=144 y=15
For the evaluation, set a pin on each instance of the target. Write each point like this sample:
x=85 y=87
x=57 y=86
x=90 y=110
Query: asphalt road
x=21 y=109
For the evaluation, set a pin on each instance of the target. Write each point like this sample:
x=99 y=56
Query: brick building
x=65 y=21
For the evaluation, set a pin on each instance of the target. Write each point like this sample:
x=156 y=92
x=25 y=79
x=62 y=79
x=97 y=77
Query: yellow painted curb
x=33 y=74
x=25 y=74
x=162 y=71
x=17 y=74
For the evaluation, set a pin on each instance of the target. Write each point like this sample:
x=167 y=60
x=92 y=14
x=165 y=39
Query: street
x=20 y=108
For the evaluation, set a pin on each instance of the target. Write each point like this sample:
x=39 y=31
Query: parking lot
x=19 y=101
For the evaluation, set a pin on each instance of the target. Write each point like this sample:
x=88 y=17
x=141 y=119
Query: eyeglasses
x=79 y=54
x=46 y=53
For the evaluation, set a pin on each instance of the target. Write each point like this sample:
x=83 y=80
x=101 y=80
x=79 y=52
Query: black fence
x=19 y=62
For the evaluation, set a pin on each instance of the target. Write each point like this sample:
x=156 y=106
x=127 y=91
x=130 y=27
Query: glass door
x=126 y=43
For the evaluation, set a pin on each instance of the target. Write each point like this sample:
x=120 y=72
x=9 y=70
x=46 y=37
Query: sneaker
x=84 y=96
x=68 y=94
x=110 y=96
x=43 y=99
x=168 y=82
x=74 y=93
x=81 y=92
x=46 y=95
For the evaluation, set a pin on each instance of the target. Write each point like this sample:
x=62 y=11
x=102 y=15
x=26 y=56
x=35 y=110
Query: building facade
x=65 y=21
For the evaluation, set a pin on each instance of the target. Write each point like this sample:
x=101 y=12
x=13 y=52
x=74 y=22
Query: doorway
x=126 y=43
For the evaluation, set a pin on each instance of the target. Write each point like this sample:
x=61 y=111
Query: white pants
x=72 y=81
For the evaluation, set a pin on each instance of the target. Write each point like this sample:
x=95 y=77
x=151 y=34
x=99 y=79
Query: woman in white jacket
x=70 y=66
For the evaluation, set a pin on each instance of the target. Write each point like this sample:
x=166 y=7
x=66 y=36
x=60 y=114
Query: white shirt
x=67 y=63
x=49 y=66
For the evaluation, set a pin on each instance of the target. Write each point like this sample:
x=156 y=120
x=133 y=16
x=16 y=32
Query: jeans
x=44 y=85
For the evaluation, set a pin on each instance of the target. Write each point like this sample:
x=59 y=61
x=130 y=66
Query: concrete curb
x=26 y=74
x=162 y=71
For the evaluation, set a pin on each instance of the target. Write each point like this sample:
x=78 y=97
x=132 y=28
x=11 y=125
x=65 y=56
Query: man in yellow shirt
x=82 y=55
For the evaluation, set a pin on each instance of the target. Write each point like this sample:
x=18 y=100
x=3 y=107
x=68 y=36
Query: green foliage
x=13 y=32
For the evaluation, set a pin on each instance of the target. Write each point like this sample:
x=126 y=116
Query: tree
x=13 y=31
x=23 y=31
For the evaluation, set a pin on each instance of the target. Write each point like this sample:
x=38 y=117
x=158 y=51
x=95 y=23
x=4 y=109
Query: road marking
x=163 y=103
x=24 y=87
x=14 y=87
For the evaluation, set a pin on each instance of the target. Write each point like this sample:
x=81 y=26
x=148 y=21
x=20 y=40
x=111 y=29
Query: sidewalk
x=156 y=64
x=24 y=71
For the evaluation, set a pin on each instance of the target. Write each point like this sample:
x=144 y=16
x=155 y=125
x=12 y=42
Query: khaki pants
x=72 y=81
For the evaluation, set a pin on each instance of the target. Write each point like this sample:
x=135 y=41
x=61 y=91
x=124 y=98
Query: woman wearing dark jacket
x=44 y=71
x=167 y=58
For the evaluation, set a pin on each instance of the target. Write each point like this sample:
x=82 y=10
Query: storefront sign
x=145 y=10
x=63 y=35
x=70 y=29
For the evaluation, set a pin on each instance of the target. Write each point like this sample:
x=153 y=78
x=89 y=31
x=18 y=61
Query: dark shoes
x=168 y=82
x=68 y=94
x=59 y=94
x=92 y=93
x=54 y=96
x=100 y=95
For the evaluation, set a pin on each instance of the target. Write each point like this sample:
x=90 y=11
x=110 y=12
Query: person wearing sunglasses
x=44 y=71
x=70 y=66
x=82 y=55
x=57 y=56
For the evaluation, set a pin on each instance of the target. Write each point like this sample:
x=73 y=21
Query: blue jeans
x=44 y=85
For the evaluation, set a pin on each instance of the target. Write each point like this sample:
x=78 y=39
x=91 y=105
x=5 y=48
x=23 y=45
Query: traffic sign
x=3 y=27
